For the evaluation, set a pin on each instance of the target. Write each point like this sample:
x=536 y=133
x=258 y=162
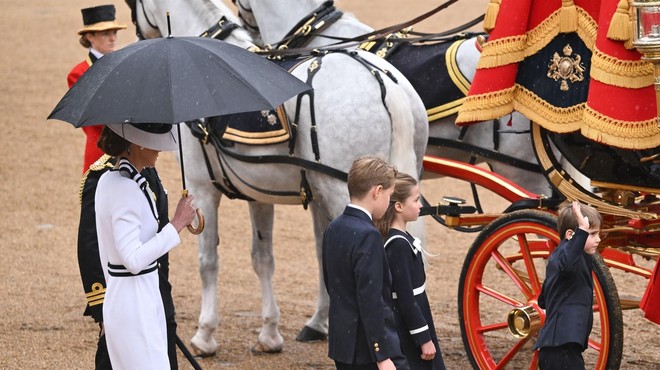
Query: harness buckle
x=205 y=131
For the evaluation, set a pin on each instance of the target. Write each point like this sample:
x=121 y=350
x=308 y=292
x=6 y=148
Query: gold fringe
x=477 y=108
x=568 y=18
x=514 y=49
x=619 y=133
x=548 y=116
x=491 y=15
x=621 y=23
x=587 y=28
x=545 y=32
x=632 y=74
x=542 y=34
x=502 y=51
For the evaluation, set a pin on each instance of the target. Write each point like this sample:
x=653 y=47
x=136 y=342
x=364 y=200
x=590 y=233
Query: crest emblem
x=566 y=67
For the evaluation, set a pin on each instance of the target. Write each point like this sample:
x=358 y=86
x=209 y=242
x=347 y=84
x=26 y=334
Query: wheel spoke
x=497 y=295
x=593 y=344
x=492 y=327
x=533 y=365
x=510 y=354
x=529 y=263
x=512 y=273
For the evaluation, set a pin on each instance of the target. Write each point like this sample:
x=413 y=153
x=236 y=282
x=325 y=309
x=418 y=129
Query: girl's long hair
x=402 y=187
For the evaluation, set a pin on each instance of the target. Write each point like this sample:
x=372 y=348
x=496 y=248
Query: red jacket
x=92 y=152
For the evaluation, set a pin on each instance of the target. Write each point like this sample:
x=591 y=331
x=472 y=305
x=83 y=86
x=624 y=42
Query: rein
x=377 y=34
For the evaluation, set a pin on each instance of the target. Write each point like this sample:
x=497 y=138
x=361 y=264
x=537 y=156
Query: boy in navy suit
x=362 y=328
x=567 y=293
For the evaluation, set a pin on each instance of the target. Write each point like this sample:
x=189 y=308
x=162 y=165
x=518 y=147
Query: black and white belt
x=120 y=270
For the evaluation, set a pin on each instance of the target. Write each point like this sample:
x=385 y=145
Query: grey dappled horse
x=352 y=119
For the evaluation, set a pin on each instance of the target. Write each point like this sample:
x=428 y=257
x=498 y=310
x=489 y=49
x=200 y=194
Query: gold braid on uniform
x=100 y=164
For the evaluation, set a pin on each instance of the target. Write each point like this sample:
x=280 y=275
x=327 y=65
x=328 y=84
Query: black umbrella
x=175 y=79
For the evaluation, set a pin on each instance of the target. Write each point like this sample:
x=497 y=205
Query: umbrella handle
x=200 y=223
x=200 y=217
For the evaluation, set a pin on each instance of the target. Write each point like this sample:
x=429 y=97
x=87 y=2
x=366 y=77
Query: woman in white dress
x=130 y=244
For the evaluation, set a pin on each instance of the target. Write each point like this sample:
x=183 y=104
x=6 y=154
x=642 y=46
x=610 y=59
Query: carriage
x=503 y=270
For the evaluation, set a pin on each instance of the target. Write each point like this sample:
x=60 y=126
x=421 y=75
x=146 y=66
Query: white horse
x=508 y=150
x=352 y=119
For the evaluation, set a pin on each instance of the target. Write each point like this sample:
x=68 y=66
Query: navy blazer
x=362 y=327
x=567 y=295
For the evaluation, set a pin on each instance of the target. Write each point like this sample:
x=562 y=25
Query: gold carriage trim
x=565 y=184
x=487 y=106
x=259 y=138
x=453 y=69
x=601 y=128
x=460 y=81
x=444 y=110
x=632 y=74
x=97 y=295
x=514 y=49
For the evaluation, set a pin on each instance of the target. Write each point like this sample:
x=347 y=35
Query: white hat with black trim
x=155 y=136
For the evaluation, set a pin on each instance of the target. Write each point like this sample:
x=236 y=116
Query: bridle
x=254 y=28
x=132 y=4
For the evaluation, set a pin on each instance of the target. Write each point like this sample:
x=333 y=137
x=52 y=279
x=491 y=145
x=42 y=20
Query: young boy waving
x=568 y=290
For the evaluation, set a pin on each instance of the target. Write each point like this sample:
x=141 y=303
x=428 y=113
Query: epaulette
x=100 y=164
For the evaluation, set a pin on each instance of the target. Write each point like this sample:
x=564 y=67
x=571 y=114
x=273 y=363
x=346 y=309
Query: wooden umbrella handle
x=200 y=223
x=200 y=217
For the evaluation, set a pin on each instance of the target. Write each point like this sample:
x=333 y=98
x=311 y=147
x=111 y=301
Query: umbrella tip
x=169 y=27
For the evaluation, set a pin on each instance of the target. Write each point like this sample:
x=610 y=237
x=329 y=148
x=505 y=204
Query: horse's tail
x=402 y=153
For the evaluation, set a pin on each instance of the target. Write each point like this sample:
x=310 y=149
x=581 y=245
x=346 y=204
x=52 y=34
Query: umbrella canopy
x=175 y=79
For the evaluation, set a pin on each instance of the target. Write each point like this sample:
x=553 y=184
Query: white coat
x=133 y=313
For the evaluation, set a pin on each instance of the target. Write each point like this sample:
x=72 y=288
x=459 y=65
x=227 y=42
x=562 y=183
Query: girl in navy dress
x=405 y=255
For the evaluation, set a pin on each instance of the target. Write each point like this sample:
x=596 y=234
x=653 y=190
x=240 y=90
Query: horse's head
x=248 y=21
x=269 y=21
x=186 y=18
x=143 y=17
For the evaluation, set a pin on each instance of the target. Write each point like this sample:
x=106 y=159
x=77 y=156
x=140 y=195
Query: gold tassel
x=491 y=15
x=621 y=24
x=568 y=18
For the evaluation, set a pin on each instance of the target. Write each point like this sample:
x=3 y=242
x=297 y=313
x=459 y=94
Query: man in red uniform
x=99 y=35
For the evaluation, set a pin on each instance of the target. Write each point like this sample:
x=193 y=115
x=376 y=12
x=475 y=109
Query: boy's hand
x=386 y=365
x=428 y=351
x=582 y=221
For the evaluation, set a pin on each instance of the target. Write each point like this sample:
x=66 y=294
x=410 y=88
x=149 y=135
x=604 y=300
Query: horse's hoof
x=199 y=353
x=308 y=334
x=260 y=349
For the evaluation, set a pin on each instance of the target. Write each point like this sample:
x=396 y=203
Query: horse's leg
x=316 y=327
x=262 y=214
x=209 y=201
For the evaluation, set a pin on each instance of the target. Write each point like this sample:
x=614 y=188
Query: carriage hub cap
x=523 y=321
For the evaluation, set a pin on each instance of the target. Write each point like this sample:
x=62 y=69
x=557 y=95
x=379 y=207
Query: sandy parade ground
x=41 y=297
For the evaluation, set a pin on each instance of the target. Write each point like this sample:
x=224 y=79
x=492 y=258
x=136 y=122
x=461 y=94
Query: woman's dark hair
x=84 y=41
x=111 y=143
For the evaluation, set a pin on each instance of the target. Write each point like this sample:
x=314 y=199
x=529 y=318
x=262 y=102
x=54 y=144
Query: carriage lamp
x=646 y=38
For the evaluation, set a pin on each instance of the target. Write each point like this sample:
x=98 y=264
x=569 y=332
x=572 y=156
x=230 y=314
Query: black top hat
x=99 y=18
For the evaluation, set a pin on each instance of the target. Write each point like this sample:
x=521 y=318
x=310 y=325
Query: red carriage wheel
x=498 y=291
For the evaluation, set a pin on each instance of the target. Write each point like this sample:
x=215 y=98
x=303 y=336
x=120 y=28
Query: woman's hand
x=428 y=351
x=184 y=214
